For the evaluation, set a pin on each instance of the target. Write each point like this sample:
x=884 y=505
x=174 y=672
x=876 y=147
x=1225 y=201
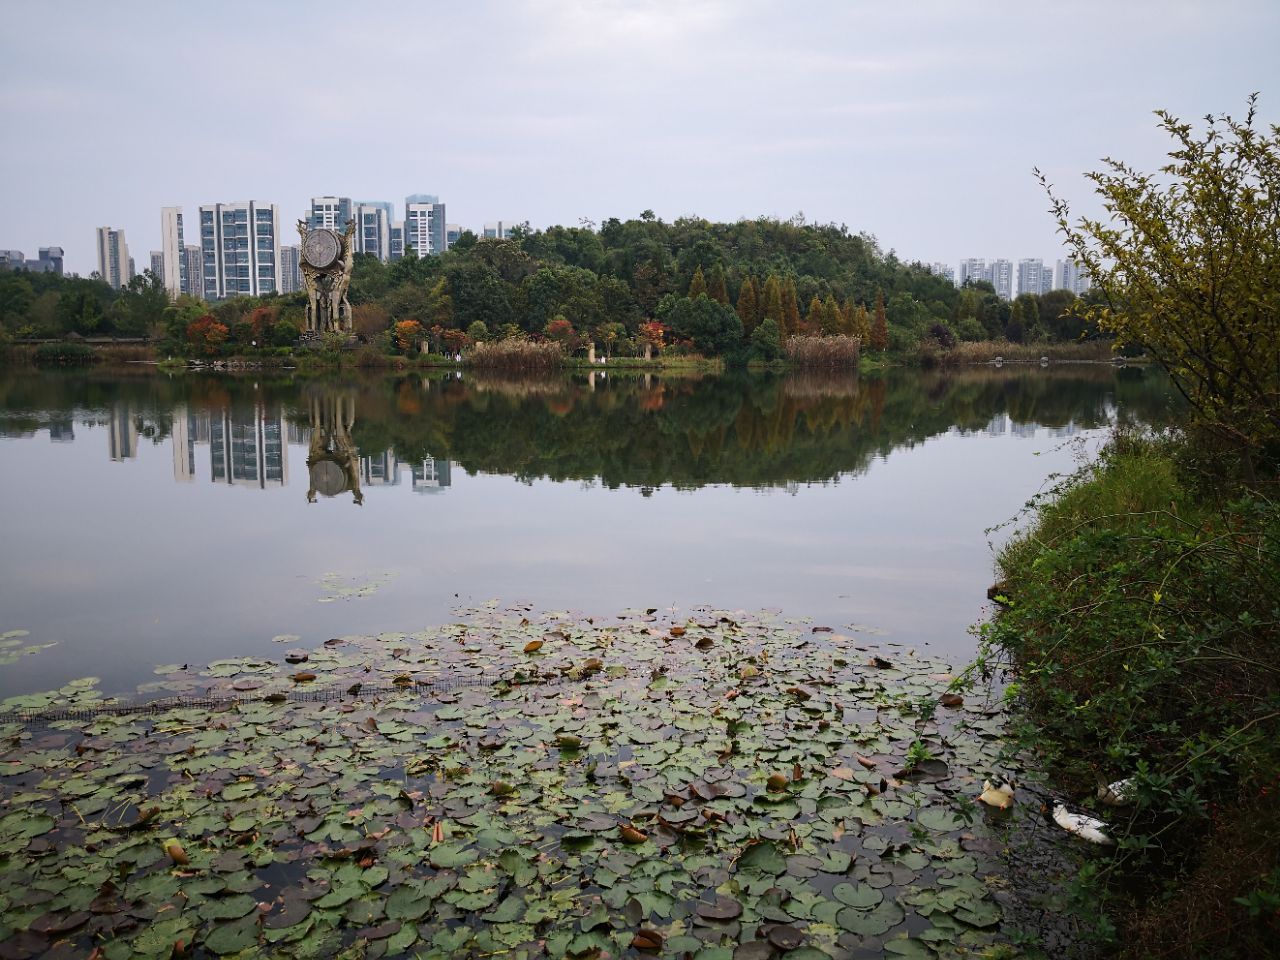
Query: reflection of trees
x=758 y=430
x=635 y=430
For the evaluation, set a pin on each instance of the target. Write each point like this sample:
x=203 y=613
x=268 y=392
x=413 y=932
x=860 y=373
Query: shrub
x=766 y=342
x=1144 y=627
x=1185 y=263
x=64 y=353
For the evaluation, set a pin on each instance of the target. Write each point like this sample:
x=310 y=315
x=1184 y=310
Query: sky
x=916 y=121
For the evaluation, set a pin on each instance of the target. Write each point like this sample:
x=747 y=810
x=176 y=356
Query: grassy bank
x=1142 y=626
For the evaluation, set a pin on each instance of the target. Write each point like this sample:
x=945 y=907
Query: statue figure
x=326 y=258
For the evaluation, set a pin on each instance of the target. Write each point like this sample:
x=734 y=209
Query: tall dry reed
x=838 y=351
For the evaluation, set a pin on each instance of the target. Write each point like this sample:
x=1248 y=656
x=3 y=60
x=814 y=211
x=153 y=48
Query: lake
x=155 y=520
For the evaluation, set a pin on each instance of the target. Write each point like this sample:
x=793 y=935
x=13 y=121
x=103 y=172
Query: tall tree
x=849 y=318
x=748 y=305
x=790 y=308
x=832 y=317
x=862 y=324
x=813 y=319
x=880 y=326
x=698 y=285
x=717 y=289
x=771 y=300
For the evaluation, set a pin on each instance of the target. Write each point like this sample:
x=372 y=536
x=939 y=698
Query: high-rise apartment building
x=330 y=212
x=157 y=265
x=973 y=270
x=1002 y=278
x=240 y=249
x=1034 y=277
x=939 y=269
x=397 y=239
x=290 y=270
x=49 y=261
x=114 y=264
x=452 y=231
x=1073 y=276
x=192 y=271
x=373 y=228
x=498 y=230
x=424 y=224
x=174 y=268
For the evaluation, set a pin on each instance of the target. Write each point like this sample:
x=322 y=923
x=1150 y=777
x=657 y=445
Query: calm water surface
x=166 y=520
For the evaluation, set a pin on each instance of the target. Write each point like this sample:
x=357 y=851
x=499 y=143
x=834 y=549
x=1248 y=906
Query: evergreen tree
x=862 y=324
x=698 y=285
x=832 y=317
x=1015 y=330
x=813 y=319
x=717 y=289
x=880 y=326
x=849 y=318
x=790 y=308
x=771 y=302
x=748 y=305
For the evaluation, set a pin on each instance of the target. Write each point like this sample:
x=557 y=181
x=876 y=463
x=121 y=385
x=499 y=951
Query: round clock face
x=321 y=248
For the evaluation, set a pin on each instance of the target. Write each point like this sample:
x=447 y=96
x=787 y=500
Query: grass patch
x=985 y=351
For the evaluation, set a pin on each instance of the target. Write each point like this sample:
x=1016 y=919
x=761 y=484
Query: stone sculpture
x=326 y=258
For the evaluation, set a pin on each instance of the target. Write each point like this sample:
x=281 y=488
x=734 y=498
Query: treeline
x=692 y=286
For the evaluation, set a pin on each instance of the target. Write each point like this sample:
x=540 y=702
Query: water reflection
x=605 y=493
x=246 y=445
x=640 y=431
x=333 y=462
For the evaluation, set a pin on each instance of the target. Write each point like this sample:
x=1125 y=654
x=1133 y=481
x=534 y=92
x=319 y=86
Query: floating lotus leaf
x=491 y=814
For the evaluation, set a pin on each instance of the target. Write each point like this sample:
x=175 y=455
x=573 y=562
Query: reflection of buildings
x=184 y=445
x=432 y=475
x=380 y=470
x=247 y=451
x=1002 y=424
x=246 y=447
x=383 y=469
x=122 y=433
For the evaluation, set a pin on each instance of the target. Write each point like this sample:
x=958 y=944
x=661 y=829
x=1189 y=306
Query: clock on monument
x=321 y=248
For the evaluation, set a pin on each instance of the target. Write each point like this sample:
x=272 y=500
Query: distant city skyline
x=903 y=120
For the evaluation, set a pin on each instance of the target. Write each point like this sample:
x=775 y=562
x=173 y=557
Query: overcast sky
x=918 y=122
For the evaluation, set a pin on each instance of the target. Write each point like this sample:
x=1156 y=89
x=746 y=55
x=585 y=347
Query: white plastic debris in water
x=1001 y=796
x=1116 y=794
x=1086 y=828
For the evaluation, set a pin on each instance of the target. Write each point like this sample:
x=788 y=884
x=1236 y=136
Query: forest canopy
x=690 y=285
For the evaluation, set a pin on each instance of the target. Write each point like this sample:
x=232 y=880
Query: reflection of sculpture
x=326 y=258
x=333 y=460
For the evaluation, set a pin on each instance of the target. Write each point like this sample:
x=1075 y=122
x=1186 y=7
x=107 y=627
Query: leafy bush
x=1186 y=266
x=1144 y=626
x=766 y=342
